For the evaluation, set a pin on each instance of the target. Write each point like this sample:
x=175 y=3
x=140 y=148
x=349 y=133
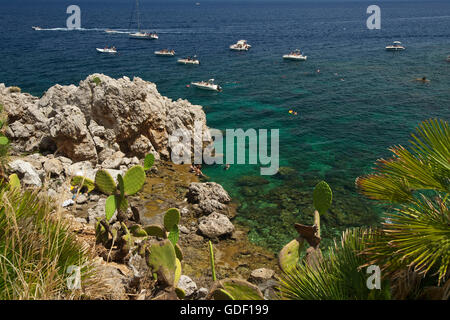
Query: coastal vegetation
x=412 y=245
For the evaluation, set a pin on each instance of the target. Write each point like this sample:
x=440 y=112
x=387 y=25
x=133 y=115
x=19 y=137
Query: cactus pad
x=162 y=260
x=289 y=256
x=177 y=272
x=241 y=289
x=174 y=235
x=155 y=231
x=322 y=196
x=171 y=219
x=221 y=294
x=83 y=182
x=14 y=181
x=110 y=207
x=138 y=231
x=134 y=180
x=105 y=182
x=149 y=161
x=178 y=252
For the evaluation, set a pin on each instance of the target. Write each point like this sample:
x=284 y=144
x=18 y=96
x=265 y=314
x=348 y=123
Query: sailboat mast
x=138 y=16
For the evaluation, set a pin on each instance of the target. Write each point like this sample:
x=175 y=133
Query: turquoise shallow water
x=362 y=101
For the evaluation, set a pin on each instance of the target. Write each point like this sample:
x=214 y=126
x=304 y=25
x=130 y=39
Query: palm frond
x=427 y=167
x=338 y=276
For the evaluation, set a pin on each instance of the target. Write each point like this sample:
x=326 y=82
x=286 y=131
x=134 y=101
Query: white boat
x=165 y=53
x=295 y=55
x=189 y=61
x=139 y=34
x=396 y=46
x=144 y=35
x=241 y=45
x=207 y=85
x=448 y=59
x=37 y=28
x=107 y=50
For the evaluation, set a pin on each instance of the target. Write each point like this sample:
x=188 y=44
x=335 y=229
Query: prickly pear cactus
x=236 y=289
x=289 y=256
x=83 y=182
x=112 y=204
x=101 y=235
x=149 y=161
x=322 y=196
x=155 y=231
x=137 y=231
x=177 y=272
x=105 y=182
x=134 y=180
x=161 y=259
x=174 y=235
x=221 y=294
x=171 y=219
x=14 y=181
x=178 y=252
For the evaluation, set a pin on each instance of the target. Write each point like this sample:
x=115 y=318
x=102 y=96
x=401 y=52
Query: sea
x=338 y=112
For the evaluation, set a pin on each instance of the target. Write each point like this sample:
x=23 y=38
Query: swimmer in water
x=423 y=80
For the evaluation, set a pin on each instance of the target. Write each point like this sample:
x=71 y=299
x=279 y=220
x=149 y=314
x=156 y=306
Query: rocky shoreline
x=111 y=124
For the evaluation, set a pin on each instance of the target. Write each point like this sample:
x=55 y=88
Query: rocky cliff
x=96 y=119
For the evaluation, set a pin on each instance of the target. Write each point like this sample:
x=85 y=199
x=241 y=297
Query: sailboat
x=140 y=34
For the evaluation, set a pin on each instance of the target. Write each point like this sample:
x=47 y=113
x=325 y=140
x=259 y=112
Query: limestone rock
x=26 y=172
x=262 y=274
x=215 y=225
x=188 y=285
x=210 y=196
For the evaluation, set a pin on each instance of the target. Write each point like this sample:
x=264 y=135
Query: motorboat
x=37 y=28
x=207 y=85
x=448 y=59
x=144 y=35
x=241 y=45
x=189 y=60
x=295 y=55
x=107 y=50
x=395 y=46
x=165 y=53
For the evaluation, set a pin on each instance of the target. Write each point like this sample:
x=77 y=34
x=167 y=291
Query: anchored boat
x=189 y=60
x=295 y=55
x=165 y=53
x=207 y=85
x=107 y=50
x=395 y=46
x=241 y=45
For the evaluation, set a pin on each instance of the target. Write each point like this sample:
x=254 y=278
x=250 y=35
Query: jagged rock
x=183 y=229
x=26 y=172
x=215 y=225
x=114 y=161
x=210 y=196
x=81 y=199
x=83 y=121
x=188 y=285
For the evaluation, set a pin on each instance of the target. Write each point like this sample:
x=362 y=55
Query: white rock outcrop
x=98 y=118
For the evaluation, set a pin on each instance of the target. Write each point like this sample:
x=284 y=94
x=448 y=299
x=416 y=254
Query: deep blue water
x=362 y=101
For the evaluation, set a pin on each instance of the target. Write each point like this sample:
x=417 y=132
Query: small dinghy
x=107 y=50
x=165 y=53
x=396 y=46
x=189 y=60
x=295 y=55
x=207 y=85
x=241 y=45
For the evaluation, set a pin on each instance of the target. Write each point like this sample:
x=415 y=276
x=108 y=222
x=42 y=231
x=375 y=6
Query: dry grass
x=36 y=249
